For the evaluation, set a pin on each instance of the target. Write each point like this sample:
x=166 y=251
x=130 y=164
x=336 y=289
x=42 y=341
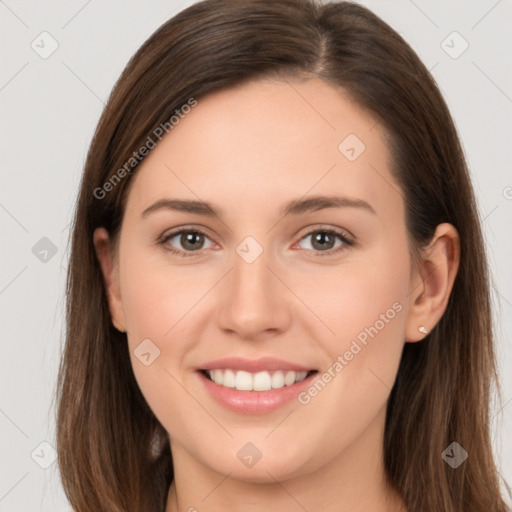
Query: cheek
x=356 y=297
x=363 y=310
x=159 y=305
x=158 y=298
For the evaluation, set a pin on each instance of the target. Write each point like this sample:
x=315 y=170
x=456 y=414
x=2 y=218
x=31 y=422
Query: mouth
x=241 y=380
x=254 y=386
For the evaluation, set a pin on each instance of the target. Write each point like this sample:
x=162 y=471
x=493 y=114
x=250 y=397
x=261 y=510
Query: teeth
x=260 y=381
x=243 y=381
x=229 y=378
x=217 y=377
x=278 y=380
x=289 y=378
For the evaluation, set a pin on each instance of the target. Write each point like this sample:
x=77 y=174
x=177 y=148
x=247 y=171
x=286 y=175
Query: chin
x=267 y=469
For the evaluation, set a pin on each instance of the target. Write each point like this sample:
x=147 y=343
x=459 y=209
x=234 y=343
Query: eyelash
x=347 y=242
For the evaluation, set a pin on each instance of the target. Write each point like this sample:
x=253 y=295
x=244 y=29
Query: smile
x=250 y=386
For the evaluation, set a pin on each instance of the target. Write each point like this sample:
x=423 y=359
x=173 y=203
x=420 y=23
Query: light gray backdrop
x=59 y=62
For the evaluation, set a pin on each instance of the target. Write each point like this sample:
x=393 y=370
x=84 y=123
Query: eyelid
x=175 y=231
x=344 y=233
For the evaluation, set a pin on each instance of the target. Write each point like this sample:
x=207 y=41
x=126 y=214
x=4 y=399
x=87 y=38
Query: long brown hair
x=113 y=453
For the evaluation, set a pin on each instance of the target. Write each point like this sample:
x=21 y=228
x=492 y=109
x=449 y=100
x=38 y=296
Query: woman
x=278 y=295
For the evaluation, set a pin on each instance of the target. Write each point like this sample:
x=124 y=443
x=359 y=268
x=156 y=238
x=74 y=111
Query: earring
x=422 y=329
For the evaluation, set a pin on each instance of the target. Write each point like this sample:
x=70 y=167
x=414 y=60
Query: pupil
x=190 y=239
x=322 y=238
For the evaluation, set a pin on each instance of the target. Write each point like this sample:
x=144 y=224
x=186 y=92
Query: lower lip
x=254 y=402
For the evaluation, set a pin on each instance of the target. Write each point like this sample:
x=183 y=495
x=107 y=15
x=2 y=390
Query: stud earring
x=422 y=329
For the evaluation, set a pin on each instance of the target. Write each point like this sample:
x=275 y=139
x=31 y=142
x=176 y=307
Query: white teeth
x=300 y=376
x=278 y=380
x=289 y=378
x=243 y=381
x=260 y=381
x=229 y=379
x=217 y=376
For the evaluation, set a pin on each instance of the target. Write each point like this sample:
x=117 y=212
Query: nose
x=254 y=303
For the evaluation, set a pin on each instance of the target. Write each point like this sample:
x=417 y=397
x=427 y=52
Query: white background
x=48 y=111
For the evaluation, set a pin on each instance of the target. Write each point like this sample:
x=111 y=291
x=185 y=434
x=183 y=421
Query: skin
x=249 y=150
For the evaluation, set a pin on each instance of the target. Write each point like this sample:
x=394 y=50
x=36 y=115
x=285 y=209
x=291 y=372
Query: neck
x=353 y=481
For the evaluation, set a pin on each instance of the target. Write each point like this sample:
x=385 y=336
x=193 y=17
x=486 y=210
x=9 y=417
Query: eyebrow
x=294 y=207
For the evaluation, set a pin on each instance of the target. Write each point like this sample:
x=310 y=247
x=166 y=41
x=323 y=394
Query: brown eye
x=191 y=240
x=185 y=241
x=323 y=240
x=327 y=241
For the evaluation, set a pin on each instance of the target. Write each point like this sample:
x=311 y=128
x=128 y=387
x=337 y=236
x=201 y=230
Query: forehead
x=265 y=142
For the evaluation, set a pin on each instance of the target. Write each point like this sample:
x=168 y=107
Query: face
x=298 y=302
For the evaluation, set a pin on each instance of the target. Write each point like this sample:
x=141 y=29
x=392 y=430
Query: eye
x=190 y=240
x=323 y=241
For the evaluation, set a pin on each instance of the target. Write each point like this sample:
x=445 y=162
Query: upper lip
x=254 y=365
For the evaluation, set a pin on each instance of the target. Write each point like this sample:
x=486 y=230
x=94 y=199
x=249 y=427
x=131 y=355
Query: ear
x=110 y=271
x=433 y=282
